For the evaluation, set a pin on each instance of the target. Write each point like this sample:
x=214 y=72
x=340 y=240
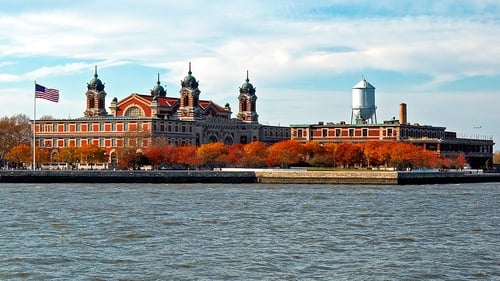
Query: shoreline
x=257 y=176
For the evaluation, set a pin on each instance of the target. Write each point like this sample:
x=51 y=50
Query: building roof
x=363 y=84
x=162 y=101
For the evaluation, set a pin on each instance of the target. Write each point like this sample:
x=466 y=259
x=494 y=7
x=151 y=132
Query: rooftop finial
x=95 y=71
x=158 y=79
x=247 y=77
x=189 y=72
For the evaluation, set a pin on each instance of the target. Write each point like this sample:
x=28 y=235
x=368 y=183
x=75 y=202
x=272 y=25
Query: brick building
x=140 y=120
x=478 y=152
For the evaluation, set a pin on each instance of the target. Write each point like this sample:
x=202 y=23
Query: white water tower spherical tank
x=363 y=100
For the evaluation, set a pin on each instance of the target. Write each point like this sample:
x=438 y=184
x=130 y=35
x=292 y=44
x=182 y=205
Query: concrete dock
x=250 y=176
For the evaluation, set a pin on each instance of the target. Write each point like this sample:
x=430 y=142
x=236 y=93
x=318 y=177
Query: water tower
x=363 y=103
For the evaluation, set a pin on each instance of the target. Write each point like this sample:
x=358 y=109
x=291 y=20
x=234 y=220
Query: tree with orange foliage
x=322 y=156
x=186 y=156
x=168 y=153
x=257 y=149
x=375 y=153
x=125 y=156
x=68 y=154
x=460 y=161
x=91 y=153
x=348 y=155
x=42 y=155
x=444 y=163
x=401 y=154
x=212 y=154
x=19 y=155
x=234 y=153
x=155 y=155
x=285 y=153
x=426 y=159
x=496 y=157
x=311 y=149
x=254 y=155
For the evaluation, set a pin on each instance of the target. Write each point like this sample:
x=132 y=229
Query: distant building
x=478 y=152
x=140 y=120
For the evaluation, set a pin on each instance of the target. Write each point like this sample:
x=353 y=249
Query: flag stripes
x=42 y=92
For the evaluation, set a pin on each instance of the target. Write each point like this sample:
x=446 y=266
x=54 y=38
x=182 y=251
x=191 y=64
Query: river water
x=249 y=232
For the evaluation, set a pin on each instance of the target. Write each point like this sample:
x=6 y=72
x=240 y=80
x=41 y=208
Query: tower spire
x=248 y=80
x=189 y=72
x=158 y=82
x=95 y=71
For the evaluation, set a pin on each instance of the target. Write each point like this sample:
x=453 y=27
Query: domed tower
x=188 y=107
x=158 y=90
x=363 y=103
x=96 y=97
x=247 y=103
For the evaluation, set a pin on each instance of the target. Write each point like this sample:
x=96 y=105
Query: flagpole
x=34 y=128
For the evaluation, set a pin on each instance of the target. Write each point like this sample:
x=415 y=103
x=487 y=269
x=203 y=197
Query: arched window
x=133 y=111
x=228 y=141
x=243 y=105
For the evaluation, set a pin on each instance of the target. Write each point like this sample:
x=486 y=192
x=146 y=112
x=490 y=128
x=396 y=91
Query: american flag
x=45 y=93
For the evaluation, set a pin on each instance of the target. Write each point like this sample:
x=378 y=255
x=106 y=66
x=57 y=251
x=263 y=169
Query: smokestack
x=402 y=114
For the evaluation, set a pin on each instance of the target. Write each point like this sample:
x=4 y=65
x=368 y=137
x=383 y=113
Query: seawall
x=107 y=176
x=258 y=176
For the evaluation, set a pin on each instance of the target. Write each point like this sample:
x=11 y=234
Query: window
x=365 y=132
x=389 y=132
x=337 y=132
x=133 y=111
x=113 y=126
x=77 y=127
x=101 y=127
x=89 y=127
x=299 y=133
x=351 y=132
x=125 y=126
x=325 y=132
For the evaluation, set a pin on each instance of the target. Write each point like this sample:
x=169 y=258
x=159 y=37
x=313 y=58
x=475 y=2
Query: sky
x=441 y=58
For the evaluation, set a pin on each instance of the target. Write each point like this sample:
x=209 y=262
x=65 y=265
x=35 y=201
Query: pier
x=250 y=176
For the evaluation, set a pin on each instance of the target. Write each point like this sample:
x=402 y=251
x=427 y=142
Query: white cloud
x=278 y=42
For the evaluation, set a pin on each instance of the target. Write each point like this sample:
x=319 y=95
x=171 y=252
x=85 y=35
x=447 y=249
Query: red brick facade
x=139 y=120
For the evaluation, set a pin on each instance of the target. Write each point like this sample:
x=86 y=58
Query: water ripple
x=249 y=232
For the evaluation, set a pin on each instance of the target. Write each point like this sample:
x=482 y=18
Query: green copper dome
x=189 y=81
x=96 y=83
x=247 y=86
x=158 y=89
